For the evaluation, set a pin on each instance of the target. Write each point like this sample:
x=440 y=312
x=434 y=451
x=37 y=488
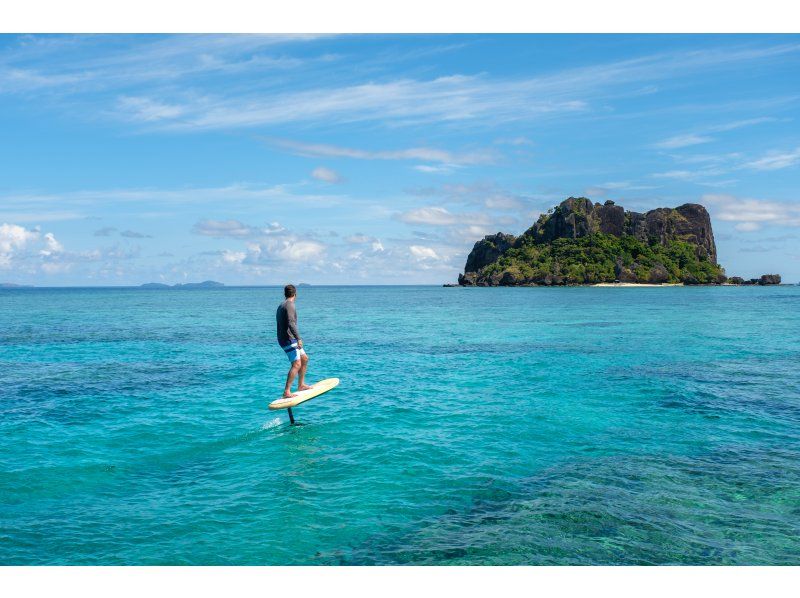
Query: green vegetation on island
x=580 y=242
x=604 y=258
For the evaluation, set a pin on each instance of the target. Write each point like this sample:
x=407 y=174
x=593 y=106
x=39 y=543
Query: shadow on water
x=735 y=506
x=728 y=387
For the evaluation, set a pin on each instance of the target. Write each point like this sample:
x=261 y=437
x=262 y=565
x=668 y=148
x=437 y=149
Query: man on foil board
x=291 y=342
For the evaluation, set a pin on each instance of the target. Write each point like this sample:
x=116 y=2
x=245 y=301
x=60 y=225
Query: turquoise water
x=471 y=426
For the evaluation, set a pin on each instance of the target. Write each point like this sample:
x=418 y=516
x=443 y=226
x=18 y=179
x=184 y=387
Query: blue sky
x=378 y=159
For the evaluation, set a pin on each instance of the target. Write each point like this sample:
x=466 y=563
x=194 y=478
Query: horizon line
x=223 y=286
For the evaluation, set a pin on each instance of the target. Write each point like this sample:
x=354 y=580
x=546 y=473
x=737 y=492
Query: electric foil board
x=319 y=388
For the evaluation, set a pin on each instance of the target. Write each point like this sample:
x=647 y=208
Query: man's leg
x=301 y=381
x=287 y=390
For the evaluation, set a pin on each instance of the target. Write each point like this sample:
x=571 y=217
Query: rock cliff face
x=578 y=217
x=487 y=250
x=765 y=280
x=503 y=259
x=769 y=279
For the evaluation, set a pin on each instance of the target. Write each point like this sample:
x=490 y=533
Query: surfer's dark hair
x=289 y=291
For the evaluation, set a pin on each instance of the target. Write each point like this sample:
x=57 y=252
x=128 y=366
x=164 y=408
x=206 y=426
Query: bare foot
x=290 y=395
x=305 y=387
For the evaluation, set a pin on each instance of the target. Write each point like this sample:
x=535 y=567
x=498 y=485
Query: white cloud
x=14 y=237
x=299 y=251
x=499 y=201
x=238 y=192
x=18 y=79
x=683 y=141
x=55 y=267
x=41 y=216
x=455 y=229
x=269 y=245
x=742 y=123
x=484 y=194
x=172 y=75
x=359 y=239
x=428 y=169
x=707 y=158
x=423 y=253
x=233 y=257
x=326 y=175
x=603 y=188
x=86 y=63
x=405 y=101
x=27 y=251
x=400 y=261
x=273 y=252
x=676 y=174
x=432 y=216
x=456 y=97
x=517 y=141
x=752 y=214
x=148 y=110
x=692 y=175
x=690 y=139
x=715 y=165
x=51 y=246
x=415 y=153
x=225 y=228
x=435 y=216
x=234 y=229
x=776 y=160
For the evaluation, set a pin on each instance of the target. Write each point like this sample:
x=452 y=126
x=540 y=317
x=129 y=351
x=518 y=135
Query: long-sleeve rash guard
x=286 y=318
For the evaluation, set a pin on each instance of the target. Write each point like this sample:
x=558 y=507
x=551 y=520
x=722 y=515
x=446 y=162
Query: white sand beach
x=636 y=284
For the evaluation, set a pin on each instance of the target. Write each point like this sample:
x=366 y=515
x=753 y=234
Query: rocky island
x=580 y=242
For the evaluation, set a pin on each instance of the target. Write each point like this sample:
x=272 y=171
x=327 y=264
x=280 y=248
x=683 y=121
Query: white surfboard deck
x=319 y=388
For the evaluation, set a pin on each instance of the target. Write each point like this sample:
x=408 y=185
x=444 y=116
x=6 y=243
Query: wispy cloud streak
x=153 y=67
x=427 y=154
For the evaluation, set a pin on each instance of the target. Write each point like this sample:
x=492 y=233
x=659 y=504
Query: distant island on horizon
x=206 y=284
x=579 y=242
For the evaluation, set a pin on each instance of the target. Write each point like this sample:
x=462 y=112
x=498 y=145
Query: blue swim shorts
x=293 y=352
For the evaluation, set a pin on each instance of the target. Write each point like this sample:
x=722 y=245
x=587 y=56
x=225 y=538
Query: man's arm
x=291 y=317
